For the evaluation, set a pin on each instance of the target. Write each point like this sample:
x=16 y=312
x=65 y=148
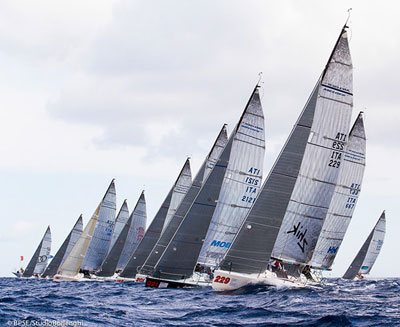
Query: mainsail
x=135 y=233
x=365 y=259
x=38 y=262
x=64 y=250
x=109 y=265
x=322 y=160
x=186 y=203
x=101 y=238
x=241 y=183
x=344 y=200
x=73 y=262
x=153 y=233
x=295 y=186
x=120 y=222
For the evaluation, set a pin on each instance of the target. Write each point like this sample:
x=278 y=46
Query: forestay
x=186 y=203
x=73 y=261
x=120 y=222
x=136 y=231
x=344 y=200
x=64 y=250
x=241 y=184
x=38 y=262
x=101 y=238
x=366 y=257
x=154 y=231
x=322 y=160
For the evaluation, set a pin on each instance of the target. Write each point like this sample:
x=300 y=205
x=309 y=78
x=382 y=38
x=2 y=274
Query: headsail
x=38 y=262
x=120 y=222
x=365 y=259
x=64 y=250
x=153 y=233
x=135 y=233
x=241 y=184
x=186 y=203
x=73 y=261
x=291 y=174
x=101 y=238
x=344 y=200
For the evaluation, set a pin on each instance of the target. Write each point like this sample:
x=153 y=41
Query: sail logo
x=379 y=246
x=42 y=258
x=221 y=244
x=300 y=235
x=333 y=249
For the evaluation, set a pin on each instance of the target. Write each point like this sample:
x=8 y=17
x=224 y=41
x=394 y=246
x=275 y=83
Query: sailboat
x=203 y=174
x=176 y=267
x=241 y=185
x=64 y=250
x=167 y=209
x=101 y=238
x=130 y=236
x=286 y=218
x=344 y=200
x=38 y=262
x=366 y=257
x=70 y=269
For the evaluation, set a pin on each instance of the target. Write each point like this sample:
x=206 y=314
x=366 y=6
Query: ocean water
x=30 y=302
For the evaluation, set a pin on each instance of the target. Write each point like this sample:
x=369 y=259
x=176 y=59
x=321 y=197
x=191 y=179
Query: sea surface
x=31 y=302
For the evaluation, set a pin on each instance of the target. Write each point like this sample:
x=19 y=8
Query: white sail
x=241 y=184
x=215 y=153
x=136 y=232
x=322 y=160
x=344 y=200
x=375 y=246
x=44 y=253
x=180 y=189
x=73 y=262
x=120 y=222
x=101 y=238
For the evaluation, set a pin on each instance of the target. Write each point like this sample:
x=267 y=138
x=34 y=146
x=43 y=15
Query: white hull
x=229 y=281
x=77 y=278
x=111 y=278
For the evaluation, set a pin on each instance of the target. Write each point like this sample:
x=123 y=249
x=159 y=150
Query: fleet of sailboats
x=226 y=228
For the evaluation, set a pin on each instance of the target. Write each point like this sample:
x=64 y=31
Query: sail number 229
x=222 y=280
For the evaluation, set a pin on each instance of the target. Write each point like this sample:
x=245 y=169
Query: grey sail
x=344 y=200
x=109 y=265
x=101 y=238
x=64 y=250
x=135 y=233
x=38 y=262
x=153 y=233
x=180 y=256
x=241 y=184
x=120 y=222
x=252 y=247
x=368 y=253
x=186 y=203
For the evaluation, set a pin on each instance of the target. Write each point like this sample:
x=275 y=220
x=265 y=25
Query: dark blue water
x=341 y=303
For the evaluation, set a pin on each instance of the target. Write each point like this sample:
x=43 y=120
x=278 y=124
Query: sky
x=95 y=90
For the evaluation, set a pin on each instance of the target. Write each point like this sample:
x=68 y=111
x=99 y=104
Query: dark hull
x=165 y=283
